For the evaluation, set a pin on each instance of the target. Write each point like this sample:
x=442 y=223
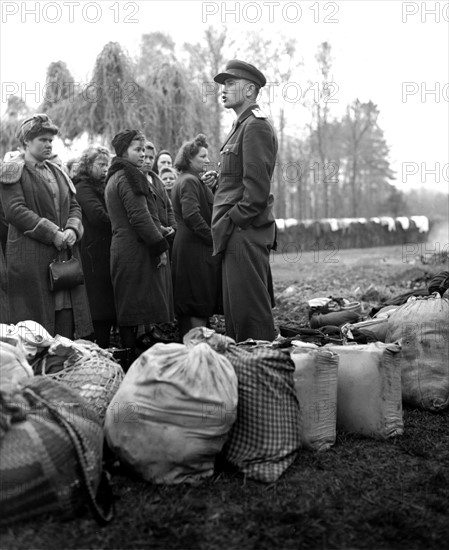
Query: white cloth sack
x=31 y=335
x=14 y=367
x=422 y=327
x=172 y=414
x=369 y=389
x=316 y=388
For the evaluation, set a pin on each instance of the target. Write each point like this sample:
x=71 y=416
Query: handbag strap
x=102 y=511
x=64 y=255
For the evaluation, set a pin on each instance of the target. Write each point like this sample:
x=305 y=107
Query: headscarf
x=162 y=152
x=123 y=139
x=34 y=126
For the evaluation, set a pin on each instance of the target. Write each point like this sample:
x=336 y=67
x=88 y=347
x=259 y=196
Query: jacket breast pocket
x=230 y=159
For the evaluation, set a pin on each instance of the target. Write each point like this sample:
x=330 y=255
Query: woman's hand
x=58 y=240
x=167 y=231
x=210 y=178
x=162 y=260
x=69 y=236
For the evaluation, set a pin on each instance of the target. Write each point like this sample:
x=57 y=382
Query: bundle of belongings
x=419 y=321
x=206 y=401
x=53 y=399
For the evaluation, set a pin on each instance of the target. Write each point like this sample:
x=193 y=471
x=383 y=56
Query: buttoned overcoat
x=143 y=292
x=196 y=274
x=96 y=248
x=33 y=223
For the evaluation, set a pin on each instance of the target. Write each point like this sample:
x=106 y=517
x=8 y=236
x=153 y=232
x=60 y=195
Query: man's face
x=234 y=92
x=41 y=146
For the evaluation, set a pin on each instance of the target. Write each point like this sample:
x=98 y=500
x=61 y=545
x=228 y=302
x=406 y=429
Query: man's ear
x=249 y=86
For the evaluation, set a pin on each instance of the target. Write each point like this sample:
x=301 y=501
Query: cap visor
x=221 y=77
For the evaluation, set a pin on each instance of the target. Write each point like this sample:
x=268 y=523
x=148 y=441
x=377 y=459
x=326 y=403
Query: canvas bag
x=13 y=366
x=315 y=376
x=369 y=389
x=172 y=414
x=422 y=327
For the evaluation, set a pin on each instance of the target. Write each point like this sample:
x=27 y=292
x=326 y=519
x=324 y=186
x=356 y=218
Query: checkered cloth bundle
x=264 y=439
x=51 y=445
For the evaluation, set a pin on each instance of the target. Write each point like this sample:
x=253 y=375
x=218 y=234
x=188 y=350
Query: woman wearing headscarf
x=163 y=159
x=196 y=274
x=44 y=218
x=140 y=272
x=96 y=242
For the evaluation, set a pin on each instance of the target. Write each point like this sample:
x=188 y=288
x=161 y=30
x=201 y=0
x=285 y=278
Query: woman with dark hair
x=140 y=272
x=163 y=159
x=196 y=274
x=96 y=242
x=44 y=219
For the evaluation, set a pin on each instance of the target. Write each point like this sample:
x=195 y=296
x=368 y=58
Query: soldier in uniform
x=243 y=224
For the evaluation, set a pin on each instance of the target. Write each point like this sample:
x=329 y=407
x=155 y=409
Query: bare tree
x=205 y=61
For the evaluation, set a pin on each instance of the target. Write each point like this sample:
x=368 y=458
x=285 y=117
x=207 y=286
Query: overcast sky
x=394 y=53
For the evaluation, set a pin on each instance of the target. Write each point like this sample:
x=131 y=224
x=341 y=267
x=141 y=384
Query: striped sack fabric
x=51 y=445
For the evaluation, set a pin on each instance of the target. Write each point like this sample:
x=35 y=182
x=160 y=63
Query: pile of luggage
x=54 y=394
x=182 y=410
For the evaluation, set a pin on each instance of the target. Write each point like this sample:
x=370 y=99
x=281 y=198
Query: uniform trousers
x=247 y=284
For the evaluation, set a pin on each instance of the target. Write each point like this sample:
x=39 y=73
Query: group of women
x=146 y=257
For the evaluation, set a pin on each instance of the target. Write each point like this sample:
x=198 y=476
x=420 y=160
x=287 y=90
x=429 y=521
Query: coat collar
x=11 y=172
x=242 y=117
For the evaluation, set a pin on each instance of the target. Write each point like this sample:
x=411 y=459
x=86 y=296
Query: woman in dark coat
x=140 y=271
x=4 y=304
x=196 y=278
x=38 y=200
x=96 y=241
x=163 y=202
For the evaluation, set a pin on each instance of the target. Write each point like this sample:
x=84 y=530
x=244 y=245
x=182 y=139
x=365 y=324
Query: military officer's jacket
x=247 y=161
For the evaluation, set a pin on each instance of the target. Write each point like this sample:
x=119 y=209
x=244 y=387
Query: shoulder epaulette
x=259 y=114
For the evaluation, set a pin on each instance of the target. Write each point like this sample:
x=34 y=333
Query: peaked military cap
x=240 y=69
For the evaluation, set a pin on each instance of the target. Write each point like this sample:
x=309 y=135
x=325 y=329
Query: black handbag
x=65 y=274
